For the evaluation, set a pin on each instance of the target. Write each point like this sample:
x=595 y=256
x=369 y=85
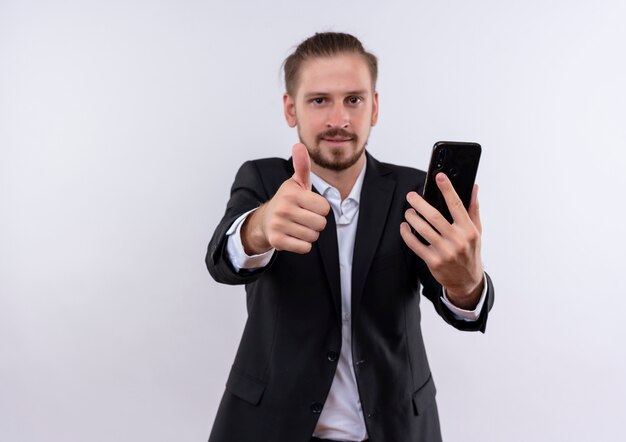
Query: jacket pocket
x=245 y=387
x=424 y=398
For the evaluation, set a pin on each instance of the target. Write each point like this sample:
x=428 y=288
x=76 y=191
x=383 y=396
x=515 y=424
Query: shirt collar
x=355 y=194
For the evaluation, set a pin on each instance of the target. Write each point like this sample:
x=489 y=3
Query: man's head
x=326 y=45
x=331 y=97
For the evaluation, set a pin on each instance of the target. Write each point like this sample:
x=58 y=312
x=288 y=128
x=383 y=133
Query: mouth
x=337 y=140
x=336 y=137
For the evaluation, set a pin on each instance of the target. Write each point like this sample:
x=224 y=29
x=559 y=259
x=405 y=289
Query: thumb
x=301 y=165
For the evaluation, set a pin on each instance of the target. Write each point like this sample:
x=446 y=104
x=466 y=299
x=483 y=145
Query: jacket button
x=316 y=408
x=332 y=356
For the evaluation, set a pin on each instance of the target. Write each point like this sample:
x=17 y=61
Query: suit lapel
x=376 y=197
x=329 y=252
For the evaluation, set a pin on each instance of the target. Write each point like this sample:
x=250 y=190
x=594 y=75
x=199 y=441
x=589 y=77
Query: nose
x=338 y=116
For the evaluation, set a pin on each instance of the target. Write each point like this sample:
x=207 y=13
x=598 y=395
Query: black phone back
x=459 y=161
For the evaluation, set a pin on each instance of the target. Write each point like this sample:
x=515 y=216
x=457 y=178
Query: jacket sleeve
x=247 y=193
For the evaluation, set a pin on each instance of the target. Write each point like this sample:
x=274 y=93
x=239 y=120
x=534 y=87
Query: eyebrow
x=325 y=94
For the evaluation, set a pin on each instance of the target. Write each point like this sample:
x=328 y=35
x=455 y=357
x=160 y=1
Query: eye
x=354 y=100
x=318 y=100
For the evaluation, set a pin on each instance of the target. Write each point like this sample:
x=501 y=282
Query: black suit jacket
x=287 y=357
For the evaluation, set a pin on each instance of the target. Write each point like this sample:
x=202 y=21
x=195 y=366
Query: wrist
x=253 y=238
x=465 y=298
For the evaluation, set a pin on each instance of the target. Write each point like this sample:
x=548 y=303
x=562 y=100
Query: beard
x=339 y=160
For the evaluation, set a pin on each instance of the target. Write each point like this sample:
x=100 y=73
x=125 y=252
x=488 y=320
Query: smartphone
x=459 y=161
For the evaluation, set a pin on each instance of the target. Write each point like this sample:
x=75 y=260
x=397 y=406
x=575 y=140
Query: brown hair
x=325 y=44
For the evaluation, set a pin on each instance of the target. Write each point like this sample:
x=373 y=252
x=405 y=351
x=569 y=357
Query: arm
x=248 y=192
x=290 y=219
x=452 y=258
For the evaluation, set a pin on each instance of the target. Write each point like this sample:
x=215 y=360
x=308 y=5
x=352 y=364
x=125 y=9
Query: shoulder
x=404 y=170
x=406 y=176
x=266 y=164
x=269 y=173
x=271 y=165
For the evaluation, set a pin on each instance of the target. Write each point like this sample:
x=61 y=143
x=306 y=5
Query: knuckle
x=274 y=239
x=435 y=263
x=281 y=212
x=274 y=226
x=473 y=236
x=463 y=249
x=290 y=198
x=447 y=257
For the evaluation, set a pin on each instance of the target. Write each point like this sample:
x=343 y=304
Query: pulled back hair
x=325 y=44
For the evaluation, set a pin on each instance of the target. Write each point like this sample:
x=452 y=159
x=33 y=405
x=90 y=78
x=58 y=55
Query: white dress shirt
x=341 y=417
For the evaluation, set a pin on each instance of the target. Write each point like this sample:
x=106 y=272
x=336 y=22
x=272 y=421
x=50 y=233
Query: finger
x=308 y=219
x=413 y=243
x=453 y=201
x=291 y=236
x=432 y=215
x=301 y=165
x=314 y=202
x=292 y=244
x=295 y=230
x=474 y=209
x=422 y=227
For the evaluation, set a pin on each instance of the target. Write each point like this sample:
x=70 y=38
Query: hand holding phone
x=453 y=254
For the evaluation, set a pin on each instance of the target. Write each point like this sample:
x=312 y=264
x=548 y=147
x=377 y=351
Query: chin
x=338 y=162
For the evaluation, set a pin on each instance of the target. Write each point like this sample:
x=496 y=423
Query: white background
x=122 y=124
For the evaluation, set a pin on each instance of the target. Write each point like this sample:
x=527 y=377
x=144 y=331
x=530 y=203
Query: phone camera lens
x=441 y=155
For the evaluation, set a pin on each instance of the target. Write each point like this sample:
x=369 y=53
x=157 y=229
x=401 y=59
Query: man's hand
x=293 y=219
x=453 y=255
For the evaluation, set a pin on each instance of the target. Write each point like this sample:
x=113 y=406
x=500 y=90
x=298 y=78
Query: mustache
x=336 y=132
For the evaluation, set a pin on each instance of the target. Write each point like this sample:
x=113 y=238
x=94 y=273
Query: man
x=332 y=348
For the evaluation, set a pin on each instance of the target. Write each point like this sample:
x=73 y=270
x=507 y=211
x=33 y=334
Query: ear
x=374 y=108
x=290 y=110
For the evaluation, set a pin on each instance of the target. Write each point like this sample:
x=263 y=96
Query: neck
x=342 y=180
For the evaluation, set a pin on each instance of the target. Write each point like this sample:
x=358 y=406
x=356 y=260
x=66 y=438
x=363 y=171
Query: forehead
x=336 y=74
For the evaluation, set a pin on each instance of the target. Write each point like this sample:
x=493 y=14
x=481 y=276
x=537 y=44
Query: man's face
x=334 y=108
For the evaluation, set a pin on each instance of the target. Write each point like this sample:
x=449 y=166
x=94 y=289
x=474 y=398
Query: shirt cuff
x=237 y=255
x=462 y=314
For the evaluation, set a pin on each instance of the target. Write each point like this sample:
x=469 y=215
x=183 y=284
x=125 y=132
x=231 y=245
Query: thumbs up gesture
x=301 y=166
x=293 y=219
